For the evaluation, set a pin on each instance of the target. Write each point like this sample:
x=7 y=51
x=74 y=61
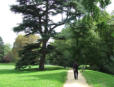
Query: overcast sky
x=8 y=20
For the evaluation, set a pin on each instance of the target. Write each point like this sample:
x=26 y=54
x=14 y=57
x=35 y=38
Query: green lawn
x=54 y=76
x=99 y=79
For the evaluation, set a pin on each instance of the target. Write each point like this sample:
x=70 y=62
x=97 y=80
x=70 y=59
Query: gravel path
x=71 y=82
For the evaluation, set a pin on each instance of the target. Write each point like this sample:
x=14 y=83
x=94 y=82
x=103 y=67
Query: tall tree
x=107 y=40
x=1 y=49
x=38 y=17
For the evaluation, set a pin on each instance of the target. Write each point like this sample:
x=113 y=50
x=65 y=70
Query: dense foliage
x=37 y=19
x=39 y=14
x=8 y=55
x=5 y=52
x=1 y=50
x=87 y=44
x=20 y=42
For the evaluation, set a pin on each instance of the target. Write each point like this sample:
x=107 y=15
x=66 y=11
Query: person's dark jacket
x=75 y=67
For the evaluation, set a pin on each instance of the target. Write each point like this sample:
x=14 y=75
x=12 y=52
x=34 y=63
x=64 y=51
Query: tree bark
x=45 y=40
x=43 y=55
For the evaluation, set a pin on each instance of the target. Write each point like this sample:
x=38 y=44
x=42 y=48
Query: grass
x=99 y=79
x=53 y=76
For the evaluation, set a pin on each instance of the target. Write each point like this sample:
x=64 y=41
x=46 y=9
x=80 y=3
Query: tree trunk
x=43 y=55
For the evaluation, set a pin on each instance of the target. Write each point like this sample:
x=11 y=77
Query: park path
x=71 y=82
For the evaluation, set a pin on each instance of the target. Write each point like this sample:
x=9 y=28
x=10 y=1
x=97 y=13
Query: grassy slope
x=99 y=79
x=49 y=78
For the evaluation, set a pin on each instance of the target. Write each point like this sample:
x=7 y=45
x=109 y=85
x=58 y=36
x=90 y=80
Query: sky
x=9 y=19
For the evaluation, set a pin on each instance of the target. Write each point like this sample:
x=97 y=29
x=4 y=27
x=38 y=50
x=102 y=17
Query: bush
x=8 y=58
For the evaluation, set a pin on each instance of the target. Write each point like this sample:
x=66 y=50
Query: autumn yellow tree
x=20 y=42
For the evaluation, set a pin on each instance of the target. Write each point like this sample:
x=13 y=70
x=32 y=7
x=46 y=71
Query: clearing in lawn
x=99 y=79
x=54 y=76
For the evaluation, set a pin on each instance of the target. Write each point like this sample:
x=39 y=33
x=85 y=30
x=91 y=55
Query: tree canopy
x=38 y=17
x=90 y=45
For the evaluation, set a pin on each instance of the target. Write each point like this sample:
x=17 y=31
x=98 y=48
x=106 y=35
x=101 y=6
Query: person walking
x=75 y=69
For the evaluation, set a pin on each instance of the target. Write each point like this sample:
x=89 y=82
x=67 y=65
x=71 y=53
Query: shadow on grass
x=13 y=71
x=47 y=75
x=58 y=76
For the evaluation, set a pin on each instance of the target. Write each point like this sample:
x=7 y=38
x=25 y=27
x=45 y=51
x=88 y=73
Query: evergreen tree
x=38 y=17
x=1 y=50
